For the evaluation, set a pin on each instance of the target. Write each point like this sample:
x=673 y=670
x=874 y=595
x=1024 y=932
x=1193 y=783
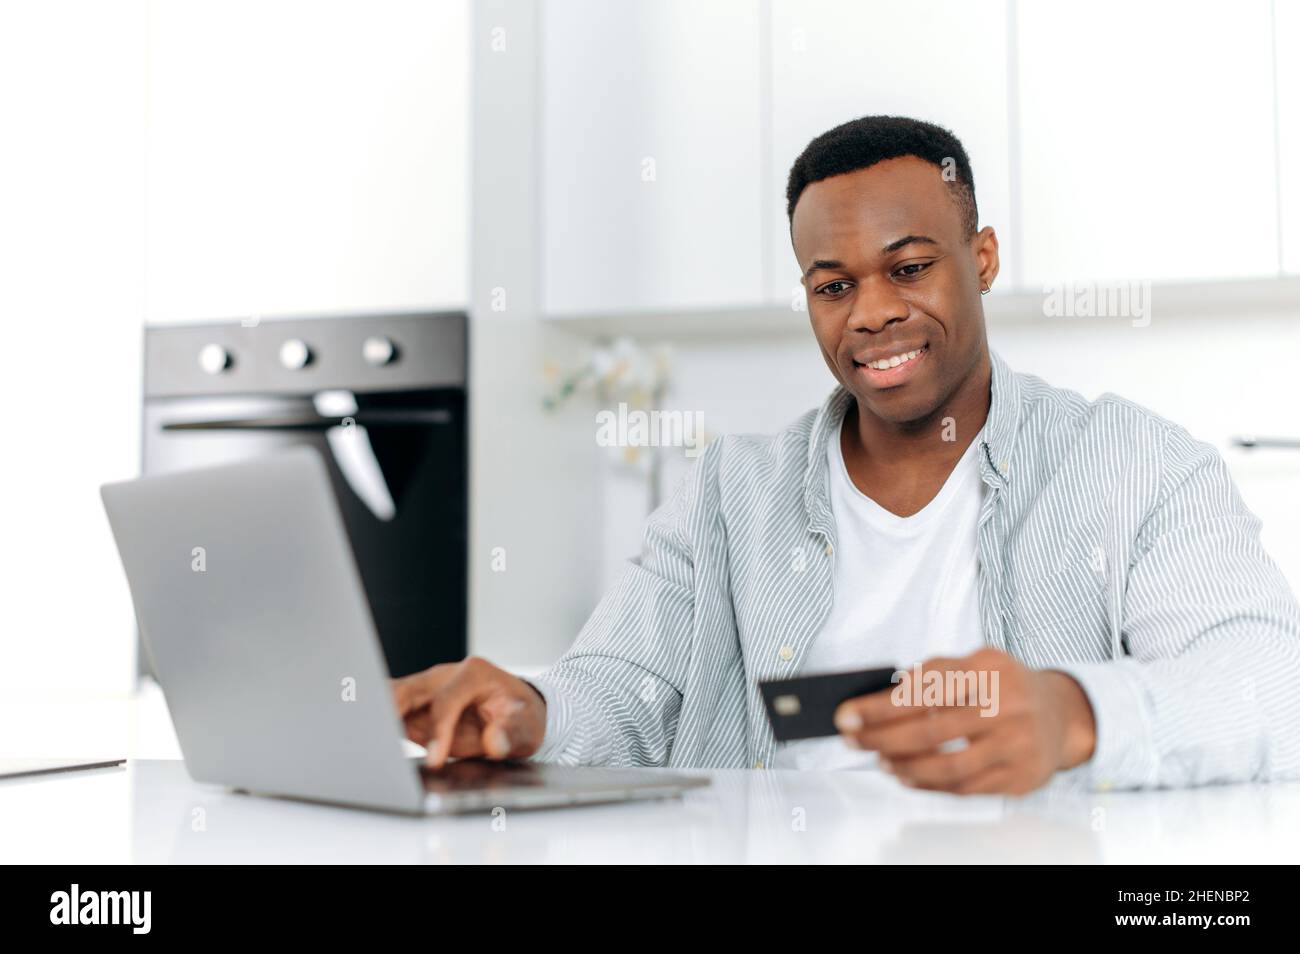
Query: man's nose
x=877 y=304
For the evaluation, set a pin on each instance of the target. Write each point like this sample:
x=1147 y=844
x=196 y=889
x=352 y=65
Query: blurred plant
x=622 y=372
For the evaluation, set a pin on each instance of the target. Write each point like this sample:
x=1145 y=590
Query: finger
x=875 y=709
x=414 y=691
x=467 y=740
x=908 y=695
x=953 y=663
x=997 y=780
x=500 y=719
x=946 y=770
x=923 y=732
x=446 y=708
x=418 y=726
x=899 y=701
x=403 y=693
x=459 y=738
x=866 y=715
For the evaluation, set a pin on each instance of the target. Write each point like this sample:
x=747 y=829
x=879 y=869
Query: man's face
x=889 y=269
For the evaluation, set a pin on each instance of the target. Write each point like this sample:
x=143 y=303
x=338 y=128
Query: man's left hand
x=1021 y=725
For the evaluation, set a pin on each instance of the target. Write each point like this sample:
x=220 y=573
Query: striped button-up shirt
x=1112 y=546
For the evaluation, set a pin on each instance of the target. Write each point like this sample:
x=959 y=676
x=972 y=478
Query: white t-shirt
x=906 y=589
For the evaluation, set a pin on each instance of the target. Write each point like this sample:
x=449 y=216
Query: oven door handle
x=349 y=443
x=312 y=422
x=356 y=460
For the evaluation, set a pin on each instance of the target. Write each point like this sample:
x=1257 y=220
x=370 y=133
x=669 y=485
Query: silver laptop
x=26 y=768
x=252 y=612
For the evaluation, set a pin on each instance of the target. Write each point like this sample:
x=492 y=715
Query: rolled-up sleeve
x=1209 y=688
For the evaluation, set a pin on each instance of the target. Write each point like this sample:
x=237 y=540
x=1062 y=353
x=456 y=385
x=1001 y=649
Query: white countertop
x=151 y=812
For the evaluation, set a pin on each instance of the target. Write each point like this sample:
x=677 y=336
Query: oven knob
x=379 y=350
x=214 y=359
x=295 y=355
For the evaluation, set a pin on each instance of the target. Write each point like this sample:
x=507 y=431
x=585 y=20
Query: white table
x=150 y=811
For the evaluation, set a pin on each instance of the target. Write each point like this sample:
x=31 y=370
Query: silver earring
x=985 y=290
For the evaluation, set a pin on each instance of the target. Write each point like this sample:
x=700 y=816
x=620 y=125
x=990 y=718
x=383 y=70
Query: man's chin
x=901 y=410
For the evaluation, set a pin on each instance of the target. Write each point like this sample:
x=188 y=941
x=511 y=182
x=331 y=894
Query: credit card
x=804 y=707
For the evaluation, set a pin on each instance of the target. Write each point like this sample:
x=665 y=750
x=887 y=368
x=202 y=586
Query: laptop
x=256 y=624
x=26 y=768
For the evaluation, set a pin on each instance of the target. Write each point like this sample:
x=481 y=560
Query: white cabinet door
x=1287 y=51
x=943 y=61
x=650 y=183
x=1147 y=140
x=306 y=157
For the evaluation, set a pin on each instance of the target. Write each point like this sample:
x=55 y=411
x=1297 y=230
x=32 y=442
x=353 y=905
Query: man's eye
x=832 y=288
x=915 y=268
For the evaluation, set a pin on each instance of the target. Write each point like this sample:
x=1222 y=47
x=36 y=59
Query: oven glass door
x=397 y=462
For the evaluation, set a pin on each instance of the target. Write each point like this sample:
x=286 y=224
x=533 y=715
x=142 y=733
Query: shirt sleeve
x=1209 y=688
x=615 y=696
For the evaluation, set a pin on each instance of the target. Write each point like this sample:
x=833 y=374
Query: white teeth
x=884 y=364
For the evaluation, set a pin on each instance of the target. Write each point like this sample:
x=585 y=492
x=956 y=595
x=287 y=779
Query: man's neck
x=907 y=463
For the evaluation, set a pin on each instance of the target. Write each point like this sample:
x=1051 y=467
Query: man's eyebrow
x=822 y=263
x=907 y=240
x=893 y=246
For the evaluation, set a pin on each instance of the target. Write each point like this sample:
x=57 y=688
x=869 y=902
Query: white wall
x=178 y=160
x=306 y=156
x=534 y=544
x=72 y=95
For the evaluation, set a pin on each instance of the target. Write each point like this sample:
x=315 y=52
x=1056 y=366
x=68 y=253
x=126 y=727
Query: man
x=938 y=508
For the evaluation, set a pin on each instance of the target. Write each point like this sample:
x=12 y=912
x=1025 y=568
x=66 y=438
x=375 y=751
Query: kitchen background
x=596 y=182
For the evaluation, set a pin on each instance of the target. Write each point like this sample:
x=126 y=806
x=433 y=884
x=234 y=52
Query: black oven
x=383 y=399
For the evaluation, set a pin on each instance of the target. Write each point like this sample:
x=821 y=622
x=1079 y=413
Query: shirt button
x=758 y=764
x=786 y=653
x=1004 y=466
x=829 y=549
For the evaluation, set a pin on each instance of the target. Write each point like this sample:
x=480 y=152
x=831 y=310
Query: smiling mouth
x=884 y=364
x=894 y=370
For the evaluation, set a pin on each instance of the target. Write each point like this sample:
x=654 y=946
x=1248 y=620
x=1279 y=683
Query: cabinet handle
x=1250 y=442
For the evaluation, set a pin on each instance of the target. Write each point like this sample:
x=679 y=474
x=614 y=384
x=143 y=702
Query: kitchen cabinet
x=1146 y=135
x=944 y=61
x=306 y=158
x=1110 y=141
x=1286 y=46
x=650 y=181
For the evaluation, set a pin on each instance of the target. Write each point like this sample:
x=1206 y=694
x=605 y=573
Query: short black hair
x=865 y=141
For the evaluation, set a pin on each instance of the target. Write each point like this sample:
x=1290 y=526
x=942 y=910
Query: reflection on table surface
x=151 y=812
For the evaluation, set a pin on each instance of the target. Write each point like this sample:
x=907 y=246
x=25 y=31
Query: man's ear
x=984 y=245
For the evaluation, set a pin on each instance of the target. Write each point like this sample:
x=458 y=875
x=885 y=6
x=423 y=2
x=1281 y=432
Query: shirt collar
x=1000 y=430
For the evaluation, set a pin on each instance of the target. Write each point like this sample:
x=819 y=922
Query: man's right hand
x=469 y=709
